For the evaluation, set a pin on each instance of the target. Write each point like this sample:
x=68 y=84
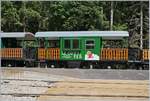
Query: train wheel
x=10 y=64
x=82 y=65
x=90 y=65
x=96 y=65
x=42 y=65
x=53 y=64
x=63 y=64
x=86 y=65
x=102 y=65
x=145 y=67
x=29 y=63
x=132 y=66
x=139 y=67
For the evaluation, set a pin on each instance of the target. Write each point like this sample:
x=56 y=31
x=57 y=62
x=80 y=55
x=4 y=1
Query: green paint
x=92 y=54
x=46 y=44
x=82 y=53
x=2 y=45
x=70 y=54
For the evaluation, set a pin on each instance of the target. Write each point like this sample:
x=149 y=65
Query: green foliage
x=120 y=27
x=10 y=18
x=36 y=16
x=29 y=44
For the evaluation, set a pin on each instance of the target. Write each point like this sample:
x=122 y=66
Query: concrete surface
x=33 y=84
x=93 y=73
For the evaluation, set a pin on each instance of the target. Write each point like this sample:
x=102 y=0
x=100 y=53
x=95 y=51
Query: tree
x=10 y=19
x=36 y=16
x=135 y=21
x=30 y=18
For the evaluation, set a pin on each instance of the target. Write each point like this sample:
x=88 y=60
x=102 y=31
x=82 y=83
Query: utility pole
x=141 y=25
x=111 y=16
x=102 y=17
x=24 y=19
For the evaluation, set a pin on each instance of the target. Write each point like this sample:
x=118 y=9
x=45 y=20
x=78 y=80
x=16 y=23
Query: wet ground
x=40 y=84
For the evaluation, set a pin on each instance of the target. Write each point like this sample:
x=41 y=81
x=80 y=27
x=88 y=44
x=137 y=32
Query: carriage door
x=91 y=48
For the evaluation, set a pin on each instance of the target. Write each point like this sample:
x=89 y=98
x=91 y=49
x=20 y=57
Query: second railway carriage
x=14 y=50
x=75 y=48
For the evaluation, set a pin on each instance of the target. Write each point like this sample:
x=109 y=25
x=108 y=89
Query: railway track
x=83 y=95
x=79 y=81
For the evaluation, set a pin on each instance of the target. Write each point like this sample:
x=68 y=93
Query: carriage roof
x=16 y=35
x=103 y=34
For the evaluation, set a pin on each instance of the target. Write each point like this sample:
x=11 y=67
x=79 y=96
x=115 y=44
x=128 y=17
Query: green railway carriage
x=79 y=46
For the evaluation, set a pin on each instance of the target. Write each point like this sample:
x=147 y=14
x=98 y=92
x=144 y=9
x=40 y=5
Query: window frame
x=88 y=44
x=64 y=44
x=71 y=43
x=55 y=42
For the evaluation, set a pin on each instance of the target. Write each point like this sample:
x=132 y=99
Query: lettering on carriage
x=71 y=55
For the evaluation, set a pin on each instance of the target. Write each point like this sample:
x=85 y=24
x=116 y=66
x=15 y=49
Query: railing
x=41 y=53
x=49 y=53
x=53 y=54
x=15 y=53
x=146 y=54
x=107 y=54
x=114 y=54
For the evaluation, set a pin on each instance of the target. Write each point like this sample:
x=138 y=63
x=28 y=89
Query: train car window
x=89 y=44
x=19 y=44
x=75 y=44
x=10 y=42
x=53 y=43
x=67 y=44
x=41 y=43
